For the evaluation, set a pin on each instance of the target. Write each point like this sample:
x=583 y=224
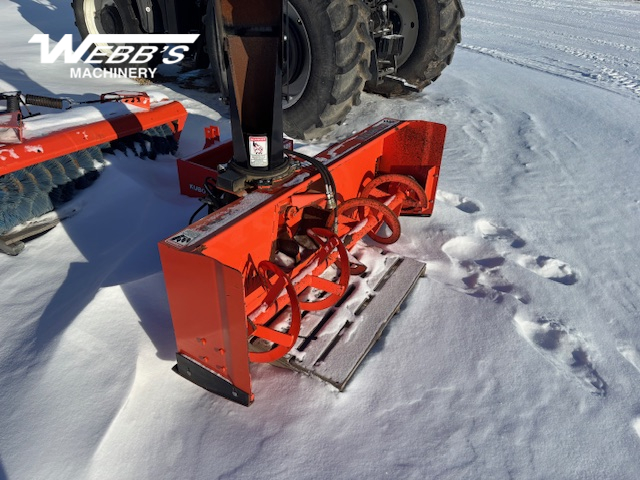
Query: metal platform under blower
x=333 y=342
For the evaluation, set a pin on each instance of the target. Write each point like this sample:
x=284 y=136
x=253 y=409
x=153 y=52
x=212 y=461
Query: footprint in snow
x=461 y=203
x=477 y=265
x=564 y=348
x=630 y=354
x=548 y=267
x=636 y=426
x=490 y=231
x=476 y=270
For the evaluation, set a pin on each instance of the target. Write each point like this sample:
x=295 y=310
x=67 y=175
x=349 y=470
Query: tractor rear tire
x=328 y=51
x=340 y=49
x=110 y=16
x=215 y=50
x=428 y=50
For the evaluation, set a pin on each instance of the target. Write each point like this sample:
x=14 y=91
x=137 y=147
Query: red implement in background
x=130 y=114
x=46 y=158
x=264 y=278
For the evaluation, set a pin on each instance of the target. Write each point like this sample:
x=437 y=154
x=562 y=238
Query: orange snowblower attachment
x=280 y=275
x=277 y=272
x=45 y=158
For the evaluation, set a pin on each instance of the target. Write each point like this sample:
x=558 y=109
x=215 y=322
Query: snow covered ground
x=518 y=356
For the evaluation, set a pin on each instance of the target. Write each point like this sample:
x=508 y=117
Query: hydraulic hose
x=329 y=182
x=324 y=173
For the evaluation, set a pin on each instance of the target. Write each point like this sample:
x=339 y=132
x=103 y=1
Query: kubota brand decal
x=196 y=188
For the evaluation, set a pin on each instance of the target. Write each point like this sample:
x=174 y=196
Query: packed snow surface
x=518 y=356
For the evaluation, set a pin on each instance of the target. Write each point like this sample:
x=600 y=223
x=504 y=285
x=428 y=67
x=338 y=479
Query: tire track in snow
x=549 y=37
x=583 y=8
x=603 y=78
x=601 y=60
x=597 y=42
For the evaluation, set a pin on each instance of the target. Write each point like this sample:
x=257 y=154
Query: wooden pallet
x=333 y=343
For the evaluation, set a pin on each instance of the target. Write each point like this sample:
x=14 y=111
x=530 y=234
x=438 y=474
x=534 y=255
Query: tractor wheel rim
x=297 y=58
x=404 y=17
x=102 y=17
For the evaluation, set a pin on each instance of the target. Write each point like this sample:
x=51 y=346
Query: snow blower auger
x=44 y=159
x=277 y=272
